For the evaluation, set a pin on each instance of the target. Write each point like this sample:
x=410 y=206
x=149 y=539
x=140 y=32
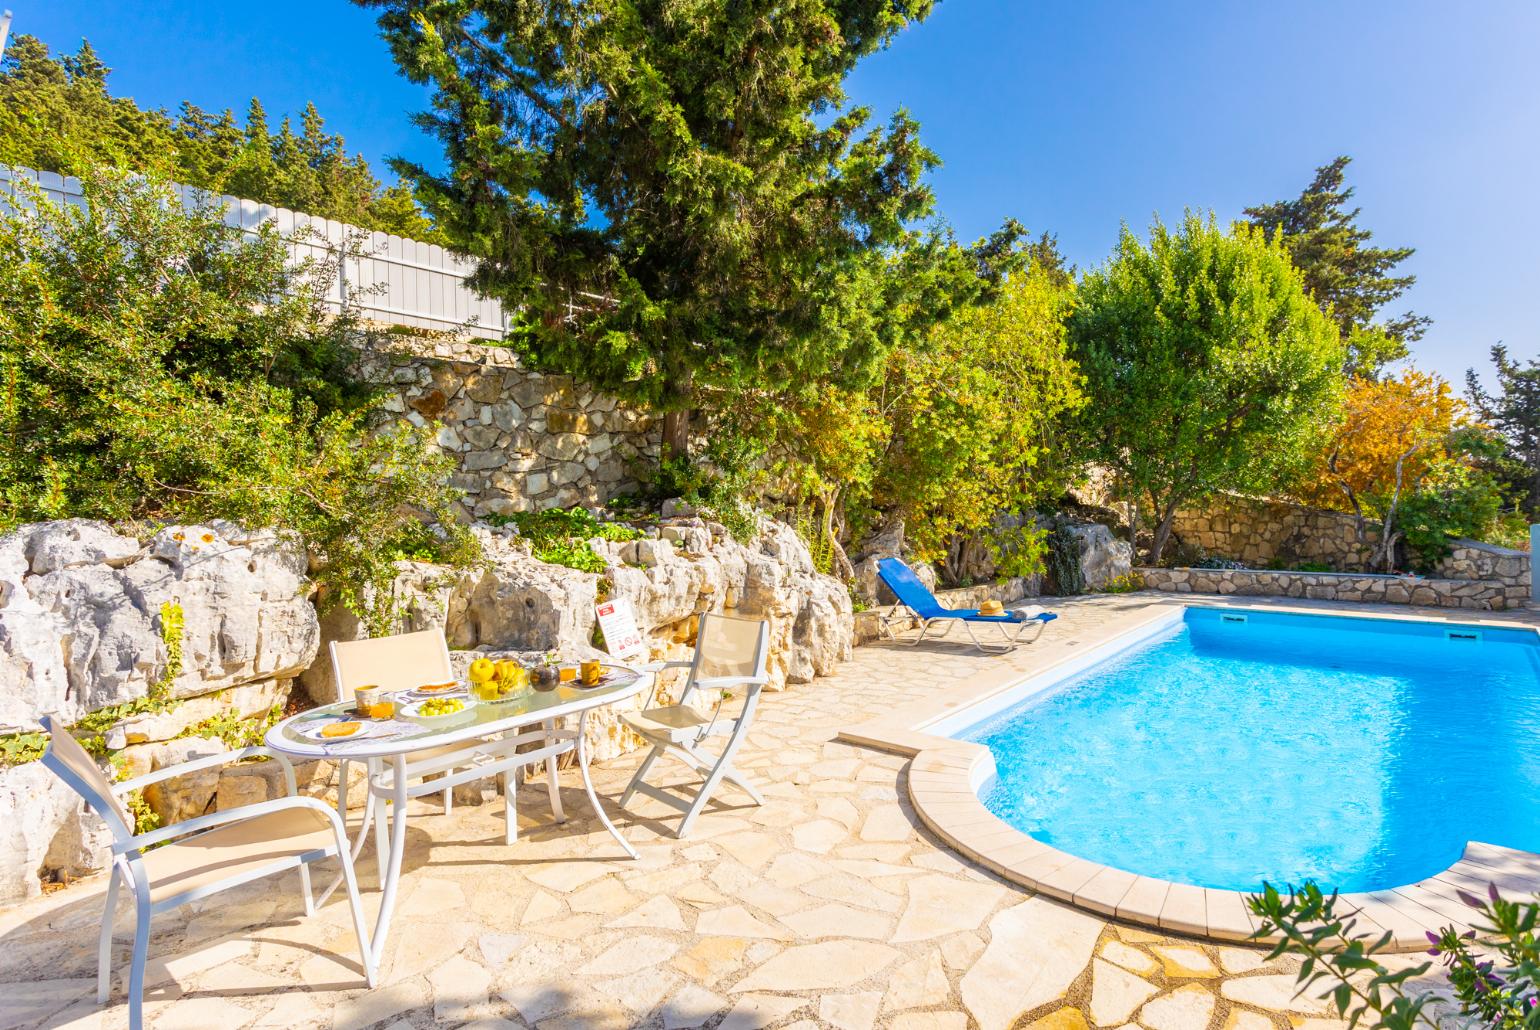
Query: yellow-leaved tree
x=1403 y=447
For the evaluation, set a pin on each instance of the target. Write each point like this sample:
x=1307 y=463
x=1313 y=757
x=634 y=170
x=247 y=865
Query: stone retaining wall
x=523 y=440
x=1488 y=595
x=1259 y=532
x=1471 y=559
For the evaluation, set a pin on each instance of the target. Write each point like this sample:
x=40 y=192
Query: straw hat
x=991 y=607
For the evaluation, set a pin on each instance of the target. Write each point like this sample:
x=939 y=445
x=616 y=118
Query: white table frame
x=387 y=777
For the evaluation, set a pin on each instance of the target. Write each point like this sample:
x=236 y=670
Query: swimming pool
x=1233 y=747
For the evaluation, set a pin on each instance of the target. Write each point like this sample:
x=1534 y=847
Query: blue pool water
x=1361 y=753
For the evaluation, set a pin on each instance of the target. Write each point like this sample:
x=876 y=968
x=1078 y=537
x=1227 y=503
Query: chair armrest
x=183 y=768
x=726 y=682
x=229 y=815
x=660 y=666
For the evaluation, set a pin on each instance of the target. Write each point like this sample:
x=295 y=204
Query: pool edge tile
x=1184 y=910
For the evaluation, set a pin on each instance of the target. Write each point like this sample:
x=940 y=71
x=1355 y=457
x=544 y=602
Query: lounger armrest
x=229 y=815
x=183 y=768
x=728 y=682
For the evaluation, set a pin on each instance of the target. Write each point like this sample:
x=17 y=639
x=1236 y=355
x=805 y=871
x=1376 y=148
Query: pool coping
x=944 y=777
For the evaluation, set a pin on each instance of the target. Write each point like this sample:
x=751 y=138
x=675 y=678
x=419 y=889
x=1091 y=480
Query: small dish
x=414 y=712
x=317 y=730
x=435 y=689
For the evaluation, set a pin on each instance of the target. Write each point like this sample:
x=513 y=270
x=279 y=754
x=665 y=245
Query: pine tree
x=57 y=114
x=1514 y=412
x=1349 y=279
x=682 y=206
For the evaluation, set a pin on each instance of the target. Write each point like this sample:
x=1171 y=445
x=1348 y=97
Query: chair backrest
x=400 y=662
x=906 y=586
x=726 y=646
x=66 y=759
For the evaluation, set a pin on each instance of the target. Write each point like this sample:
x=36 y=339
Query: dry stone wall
x=523 y=441
x=1259 y=532
x=1487 y=595
x=1470 y=559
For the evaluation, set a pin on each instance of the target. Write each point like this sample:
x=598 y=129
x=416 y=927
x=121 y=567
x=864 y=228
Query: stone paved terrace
x=830 y=906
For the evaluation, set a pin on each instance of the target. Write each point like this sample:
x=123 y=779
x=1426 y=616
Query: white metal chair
x=730 y=654
x=200 y=856
x=409 y=660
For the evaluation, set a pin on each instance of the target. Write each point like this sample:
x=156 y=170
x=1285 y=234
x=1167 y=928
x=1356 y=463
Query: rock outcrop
x=1103 y=557
x=83 y=612
x=82 y=628
x=684 y=566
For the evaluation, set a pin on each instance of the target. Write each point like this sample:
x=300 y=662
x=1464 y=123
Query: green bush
x=158 y=365
x=1458 y=497
x=1496 y=979
x=560 y=536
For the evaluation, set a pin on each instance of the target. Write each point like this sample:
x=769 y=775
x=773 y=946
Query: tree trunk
x=840 y=561
x=676 y=434
x=1162 y=535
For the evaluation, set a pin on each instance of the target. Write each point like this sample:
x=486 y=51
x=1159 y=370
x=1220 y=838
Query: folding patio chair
x=916 y=596
x=200 y=856
x=409 y=660
x=730 y=654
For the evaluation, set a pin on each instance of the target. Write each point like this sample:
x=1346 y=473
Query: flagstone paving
x=828 y=907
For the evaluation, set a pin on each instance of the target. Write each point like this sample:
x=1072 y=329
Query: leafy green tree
x=56 y=114
x=1351 y=280
x=160 y=365
x=970 y=413
x=675 y=196
x=1514 y=412
x=1208 y=368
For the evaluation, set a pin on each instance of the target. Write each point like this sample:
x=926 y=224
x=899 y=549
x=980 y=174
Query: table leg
x=588 y=785
x=380 y=806
x=391 y=877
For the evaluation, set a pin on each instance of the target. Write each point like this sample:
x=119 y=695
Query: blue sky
x=1072 y=117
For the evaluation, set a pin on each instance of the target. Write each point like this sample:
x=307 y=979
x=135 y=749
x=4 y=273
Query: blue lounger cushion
x=915 y=595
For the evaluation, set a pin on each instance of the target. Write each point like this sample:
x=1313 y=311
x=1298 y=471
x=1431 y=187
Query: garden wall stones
x=522 y=440
x=1471 y=559
x=1260 y=531
x=82 y=628
x=1488 y=595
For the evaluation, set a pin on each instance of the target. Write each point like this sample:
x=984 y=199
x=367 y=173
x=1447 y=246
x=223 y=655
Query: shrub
x=158 y=365
x=560 y=536
x=1499 y=984
x=1127 y=583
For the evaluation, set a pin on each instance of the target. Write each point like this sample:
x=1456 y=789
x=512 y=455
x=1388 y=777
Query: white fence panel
x=393 y=280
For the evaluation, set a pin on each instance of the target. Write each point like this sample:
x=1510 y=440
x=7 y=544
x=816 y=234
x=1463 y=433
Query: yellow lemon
x=482 y=670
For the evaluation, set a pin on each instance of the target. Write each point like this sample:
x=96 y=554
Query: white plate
x=411 y=711
x=417 y=695
x=312 y=730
